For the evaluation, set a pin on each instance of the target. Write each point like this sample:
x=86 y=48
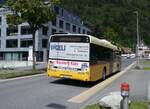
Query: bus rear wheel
x=118 y=68
x=104 y=74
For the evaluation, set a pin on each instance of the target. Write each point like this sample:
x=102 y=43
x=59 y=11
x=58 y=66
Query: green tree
x=35 y=12
x=111 y=35
x=117 y=14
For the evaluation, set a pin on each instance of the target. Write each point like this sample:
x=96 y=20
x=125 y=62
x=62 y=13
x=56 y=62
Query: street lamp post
x=137 y=44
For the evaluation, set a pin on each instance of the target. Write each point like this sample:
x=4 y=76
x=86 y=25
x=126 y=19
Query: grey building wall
x=21 y=53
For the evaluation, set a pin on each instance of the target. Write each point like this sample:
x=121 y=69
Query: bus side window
x=100 y=53
x=93 y=52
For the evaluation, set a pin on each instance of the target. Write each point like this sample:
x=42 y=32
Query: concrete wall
x=15 y=64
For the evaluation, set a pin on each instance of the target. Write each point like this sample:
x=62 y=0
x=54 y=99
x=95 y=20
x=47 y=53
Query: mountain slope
x=114 y=19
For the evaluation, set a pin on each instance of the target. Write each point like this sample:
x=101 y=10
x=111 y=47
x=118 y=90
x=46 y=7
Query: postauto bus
x=82 y=57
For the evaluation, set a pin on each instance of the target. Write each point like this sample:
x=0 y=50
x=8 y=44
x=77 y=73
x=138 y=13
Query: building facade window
x=62 y=12
x=61 y=31
x=2 y=56
x=12 y=31
x=56 y=9
x=53 y=31
x=54 y=22
x=0 y=20
x=0 y=43
x=12 y=43
x=83 y=31
x=24 y=56
x=25 y=30
x=12 y=56
x=68 y=26
x=73 y=28
x=44 y=43
x=26 y=42
x=45 y=31
x=61 y=23
x=79 y=30
x=39 y=56
x=0 y=32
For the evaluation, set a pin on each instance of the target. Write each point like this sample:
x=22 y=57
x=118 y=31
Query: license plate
x=65 y=76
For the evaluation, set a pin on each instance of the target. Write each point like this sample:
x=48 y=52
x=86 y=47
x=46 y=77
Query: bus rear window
x=70 y=38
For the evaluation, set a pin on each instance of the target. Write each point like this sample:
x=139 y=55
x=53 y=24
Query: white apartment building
x=15 y=42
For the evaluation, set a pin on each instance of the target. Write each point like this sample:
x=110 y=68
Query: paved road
x=42 y=92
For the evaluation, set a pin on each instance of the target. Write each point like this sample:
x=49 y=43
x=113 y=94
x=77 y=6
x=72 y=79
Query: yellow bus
x=82 y=57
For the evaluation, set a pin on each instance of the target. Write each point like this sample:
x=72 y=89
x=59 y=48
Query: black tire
x=104 y=74
x=118 y=67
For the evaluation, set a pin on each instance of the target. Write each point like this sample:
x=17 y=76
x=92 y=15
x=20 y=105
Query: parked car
x=128 y=56
x=124 y=56
x=147 y=57
x=132 y=55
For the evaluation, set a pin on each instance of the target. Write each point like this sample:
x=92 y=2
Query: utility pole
x=137 y=44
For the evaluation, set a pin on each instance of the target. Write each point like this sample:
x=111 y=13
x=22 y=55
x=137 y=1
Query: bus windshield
x=69 y=47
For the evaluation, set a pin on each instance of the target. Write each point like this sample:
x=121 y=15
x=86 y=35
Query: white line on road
x=88 y=93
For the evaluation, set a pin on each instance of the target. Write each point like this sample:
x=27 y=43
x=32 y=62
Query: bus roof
x=94 y=40
x=103 y=43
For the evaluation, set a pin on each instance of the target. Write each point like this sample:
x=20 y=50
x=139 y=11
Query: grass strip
x=17 y=74
x=134 y=105
x=139 y=105
x=146 y=68
x=94 y=106
x=144 y=61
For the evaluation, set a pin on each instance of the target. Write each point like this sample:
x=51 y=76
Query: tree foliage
x=34 y=12
x=117 y=15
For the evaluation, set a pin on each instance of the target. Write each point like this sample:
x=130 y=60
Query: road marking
x=18 y=78
x=88 y=93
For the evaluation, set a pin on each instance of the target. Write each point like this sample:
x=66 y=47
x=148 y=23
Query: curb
x=148 y=96
x=90 y=92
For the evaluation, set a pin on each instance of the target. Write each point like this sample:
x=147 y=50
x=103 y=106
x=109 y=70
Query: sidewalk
x=139 y=81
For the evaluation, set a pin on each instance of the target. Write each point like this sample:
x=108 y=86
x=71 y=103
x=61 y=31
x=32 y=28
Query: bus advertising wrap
x=69 y=51
x=69 y=65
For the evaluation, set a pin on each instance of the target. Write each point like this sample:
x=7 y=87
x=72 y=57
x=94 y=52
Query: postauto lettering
x=58 y=47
